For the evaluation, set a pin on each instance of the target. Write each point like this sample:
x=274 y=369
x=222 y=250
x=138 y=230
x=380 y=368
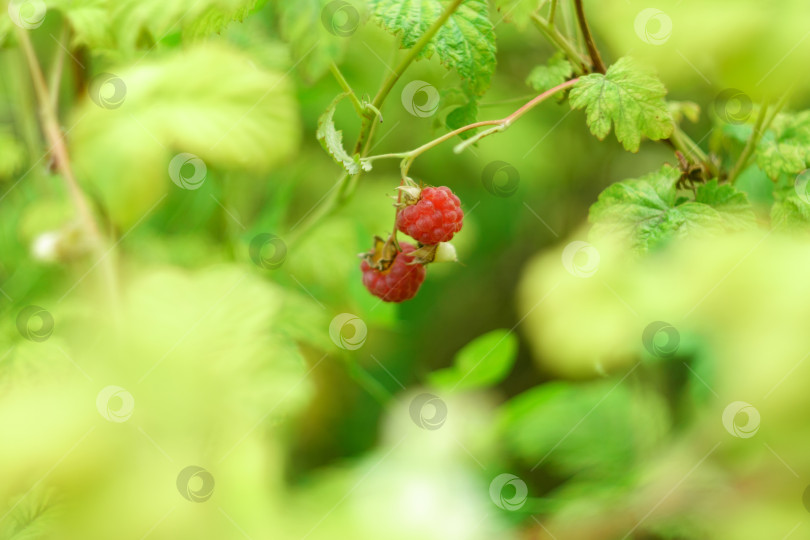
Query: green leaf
x=331 y=139
x=731 y=204
x=466 y=42
x=518 y=11
x=684 y=109
x=597 y=431
x=555 y=72
x=789 y=212
x=209 y=101
x=647 y=212
x=458 y=108
x=32 y=516
x=483 y=362
x=627 y=97
x=317 y=31
x=124 y=26
x=786 y=147
x=777 y=158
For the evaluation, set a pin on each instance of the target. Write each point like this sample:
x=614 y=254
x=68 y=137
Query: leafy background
x=544 y=374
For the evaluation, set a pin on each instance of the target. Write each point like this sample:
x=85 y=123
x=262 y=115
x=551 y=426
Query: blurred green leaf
x=317 y=31
x=595 y=431
x=209 y=101
x=786 y=148
x=732 y=205
x=466 y=42
x=684 y=109
x=629 y=98
x=554 y=72
x=30 y=517
x=518 y=11
x=789 y=212
x=485 y=361
x=12 y=153
x=647 y=212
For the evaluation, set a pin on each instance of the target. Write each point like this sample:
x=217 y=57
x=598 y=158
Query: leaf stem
x=559 y=41
x=596 y=59
x=497 y=126
x=344 y=84
x=748 y=150
x=551 y=12
x=369 y=383
x=53 y=133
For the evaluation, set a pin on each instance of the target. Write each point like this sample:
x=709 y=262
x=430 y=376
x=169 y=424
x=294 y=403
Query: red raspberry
x=435 y=217
x=399 y=282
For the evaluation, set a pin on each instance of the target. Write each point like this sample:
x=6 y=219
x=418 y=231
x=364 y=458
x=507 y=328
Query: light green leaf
x=12 y=153
x=785 y=149
x=483 y=362
x=789 y=212
x=466 y=42
x=645 y=211
x=331 y=139
x=777 y=158
x=127 y=25
x=684 y=109
x=318 y=31
x=518 y=11
x=208 y=101
x=556 y=71
x=627 y=97
x=732 y=204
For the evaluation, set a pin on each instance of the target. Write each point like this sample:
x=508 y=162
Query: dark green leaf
x=466 y=42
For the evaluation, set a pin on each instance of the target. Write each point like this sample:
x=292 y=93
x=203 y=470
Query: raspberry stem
x=497 y=125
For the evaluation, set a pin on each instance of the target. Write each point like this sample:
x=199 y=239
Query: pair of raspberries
x=393 y=270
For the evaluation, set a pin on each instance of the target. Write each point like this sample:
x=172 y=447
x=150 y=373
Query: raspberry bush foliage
x=577 y=312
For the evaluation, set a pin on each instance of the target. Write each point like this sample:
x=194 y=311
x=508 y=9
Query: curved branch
x=596 y=59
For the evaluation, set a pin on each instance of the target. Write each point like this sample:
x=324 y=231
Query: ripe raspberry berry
x=434 y=217
x=392 y=280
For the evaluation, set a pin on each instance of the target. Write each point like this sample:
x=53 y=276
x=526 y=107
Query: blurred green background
x=224 y=361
